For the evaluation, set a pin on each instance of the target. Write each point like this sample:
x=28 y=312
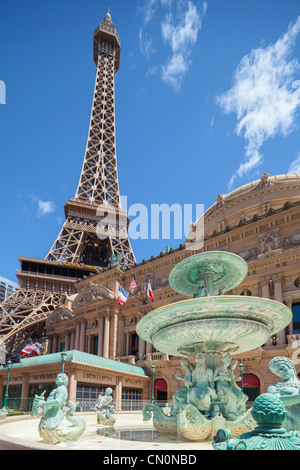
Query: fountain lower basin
x=130 y=433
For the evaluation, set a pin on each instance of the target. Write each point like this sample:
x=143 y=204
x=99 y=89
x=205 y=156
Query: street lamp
x=63 y=360
x=241 y=367
x=8 y=365
x=153 y=370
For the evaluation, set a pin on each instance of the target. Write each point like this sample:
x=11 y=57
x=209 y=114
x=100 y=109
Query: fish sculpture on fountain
x=53 y=410
x=206 y=330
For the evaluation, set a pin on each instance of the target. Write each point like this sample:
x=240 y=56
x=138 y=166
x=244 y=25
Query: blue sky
x=206 y=100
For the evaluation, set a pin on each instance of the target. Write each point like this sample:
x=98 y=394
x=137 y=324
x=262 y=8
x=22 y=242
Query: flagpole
x=144 y=302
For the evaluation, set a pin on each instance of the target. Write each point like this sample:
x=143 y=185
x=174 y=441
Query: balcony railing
x=156 y=356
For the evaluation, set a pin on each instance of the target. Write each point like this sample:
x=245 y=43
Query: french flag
x=149 y=290
x=122 y=295
x=36 y=350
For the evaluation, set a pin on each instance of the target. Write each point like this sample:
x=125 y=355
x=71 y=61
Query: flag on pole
x=36 y=350
x=133 y=285
x=28 y=349
x=149 y=290
x=122 y=295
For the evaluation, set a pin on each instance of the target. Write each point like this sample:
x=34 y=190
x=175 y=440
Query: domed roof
x=255 y=198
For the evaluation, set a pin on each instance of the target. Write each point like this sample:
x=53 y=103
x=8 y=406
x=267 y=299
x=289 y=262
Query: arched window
x=251 y=386
x=246 y=292
x=161 y=390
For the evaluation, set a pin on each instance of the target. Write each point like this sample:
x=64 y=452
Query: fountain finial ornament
x=51 y=427
x=269 y=413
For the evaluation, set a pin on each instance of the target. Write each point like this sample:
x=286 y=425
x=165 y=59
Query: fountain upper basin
x=225 y=323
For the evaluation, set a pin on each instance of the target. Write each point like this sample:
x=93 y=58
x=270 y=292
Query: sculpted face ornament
x=288 y=390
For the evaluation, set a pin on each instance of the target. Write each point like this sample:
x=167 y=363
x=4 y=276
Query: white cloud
x=146 y=44
x=45 y=207
x=181 y=34
x=180 y=25
x=295 y=165
x=175 y=70
x=262 y=97
x=152 y=70
x=148 y=9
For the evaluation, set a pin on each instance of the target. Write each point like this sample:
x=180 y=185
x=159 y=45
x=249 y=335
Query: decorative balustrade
x=293 y=340
x=157 y=356
x=128 y=359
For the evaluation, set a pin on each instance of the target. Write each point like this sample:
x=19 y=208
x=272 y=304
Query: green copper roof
x=84 y=358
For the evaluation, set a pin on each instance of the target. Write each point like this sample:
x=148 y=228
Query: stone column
x=118 y=394
x=89 y=343
x=54 y=343
x=121 y=337
x=25 y=393
x=100 y=336
x=49 y=345
x=278 y=287
x=67 y=341
x=278 y=297
x=77 y=334
x=289 y=304
x=82 y=335
x=72 y=342
x=127 y=352
x=113 y=335
x=149 y=348
x=106 y=336
x=142 y=347
x=266 y=287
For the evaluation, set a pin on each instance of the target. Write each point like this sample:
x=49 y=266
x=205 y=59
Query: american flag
x=133 y=285
x=31 y=349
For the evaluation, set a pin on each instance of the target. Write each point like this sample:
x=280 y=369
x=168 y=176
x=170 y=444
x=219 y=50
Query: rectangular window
x=95 y=345
x=296 y=318
x=87 y=395
x=131 y=399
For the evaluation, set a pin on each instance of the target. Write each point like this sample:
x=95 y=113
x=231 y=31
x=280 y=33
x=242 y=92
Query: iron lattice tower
x=96 y=209
x=95 y=229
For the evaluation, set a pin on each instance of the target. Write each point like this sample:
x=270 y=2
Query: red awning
x=249 y=380
x=160 y=384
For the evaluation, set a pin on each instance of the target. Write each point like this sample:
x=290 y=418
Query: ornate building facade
x=260 y=222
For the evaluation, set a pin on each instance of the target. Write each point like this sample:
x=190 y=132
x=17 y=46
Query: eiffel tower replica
x=94 y=235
